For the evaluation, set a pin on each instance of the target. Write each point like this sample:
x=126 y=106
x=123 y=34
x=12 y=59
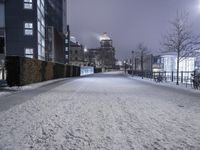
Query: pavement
x=18 y=95
x=107 y=111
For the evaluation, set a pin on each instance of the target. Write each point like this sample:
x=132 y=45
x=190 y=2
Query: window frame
x=29 y=54
x=28 y=28
x=28 y=2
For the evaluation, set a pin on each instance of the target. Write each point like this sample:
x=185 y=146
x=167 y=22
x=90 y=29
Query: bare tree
x=181 y=40
x=140 y=50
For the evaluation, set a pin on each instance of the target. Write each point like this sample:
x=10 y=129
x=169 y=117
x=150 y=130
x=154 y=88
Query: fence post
x=172 y=76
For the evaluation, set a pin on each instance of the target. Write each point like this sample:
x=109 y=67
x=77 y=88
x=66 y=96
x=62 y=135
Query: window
x=28 y=25
x=28 y=32
x=66 y=56
x=76 y=58
x=66 y=41
x=66 y=49
x=28 y=4
x=76 y=52
x=41 y=29
x=29 y=52
x=28 y=28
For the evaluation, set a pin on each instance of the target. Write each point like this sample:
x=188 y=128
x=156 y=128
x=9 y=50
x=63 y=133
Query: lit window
x=27 y=1
x=28 y=32
x=66 y=56
x=28 y=4
x=29 y=52
x=28 y=25
x=28 y=28
x=66 y=41
x=66 y=49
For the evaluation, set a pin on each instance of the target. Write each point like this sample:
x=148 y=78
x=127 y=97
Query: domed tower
x=106 y=52
x=105 y=41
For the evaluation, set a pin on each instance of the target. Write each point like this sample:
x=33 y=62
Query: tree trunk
x=178 y=61
x=142 y=65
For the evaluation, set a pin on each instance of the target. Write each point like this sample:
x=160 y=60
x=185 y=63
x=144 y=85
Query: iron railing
x=184 y=76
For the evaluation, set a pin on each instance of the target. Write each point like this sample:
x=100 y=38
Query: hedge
x=23 y=71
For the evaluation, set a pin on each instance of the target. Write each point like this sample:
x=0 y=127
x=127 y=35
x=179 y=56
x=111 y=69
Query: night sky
x=128 y=22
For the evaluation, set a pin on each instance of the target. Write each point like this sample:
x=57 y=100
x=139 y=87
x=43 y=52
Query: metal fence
x=184 y=76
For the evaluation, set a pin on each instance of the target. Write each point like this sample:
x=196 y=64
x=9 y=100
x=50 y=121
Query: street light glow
x=85 y=49
x=198 y=6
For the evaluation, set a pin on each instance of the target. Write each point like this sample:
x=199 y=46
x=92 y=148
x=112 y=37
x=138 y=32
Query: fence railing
x=184 y=76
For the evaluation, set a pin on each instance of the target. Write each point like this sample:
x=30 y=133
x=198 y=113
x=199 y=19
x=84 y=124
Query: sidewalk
x=4 y=90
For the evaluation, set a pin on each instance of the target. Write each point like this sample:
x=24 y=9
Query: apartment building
x=33 y=29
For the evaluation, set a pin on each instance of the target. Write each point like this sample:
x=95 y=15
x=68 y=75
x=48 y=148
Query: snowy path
x=104 y=112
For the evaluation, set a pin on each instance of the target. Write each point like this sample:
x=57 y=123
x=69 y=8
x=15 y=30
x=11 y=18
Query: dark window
x=76 y=51
x=76 y=58
x=1 y=45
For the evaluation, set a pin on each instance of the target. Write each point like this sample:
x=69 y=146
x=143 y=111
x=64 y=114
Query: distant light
x=85 y=49
x=198 y=6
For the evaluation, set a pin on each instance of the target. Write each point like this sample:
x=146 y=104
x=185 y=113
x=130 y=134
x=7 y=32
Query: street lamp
x=125 y=66
x=85 y=51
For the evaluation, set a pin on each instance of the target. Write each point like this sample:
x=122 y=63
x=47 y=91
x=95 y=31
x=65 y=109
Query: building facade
x=104 y=56
x=2 y=31
x=77 y=57
x=143 y=61
x=67 y=44
x=169 y=61
x=35 y=31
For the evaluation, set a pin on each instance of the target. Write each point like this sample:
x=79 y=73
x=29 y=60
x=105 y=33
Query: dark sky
x=128 y=22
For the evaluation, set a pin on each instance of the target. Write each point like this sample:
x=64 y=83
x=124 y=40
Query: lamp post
x=125 y=66
x=132 y=62
x=85 y=51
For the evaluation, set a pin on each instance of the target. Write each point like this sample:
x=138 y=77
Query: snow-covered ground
x=8 y=90
x=104 y=112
